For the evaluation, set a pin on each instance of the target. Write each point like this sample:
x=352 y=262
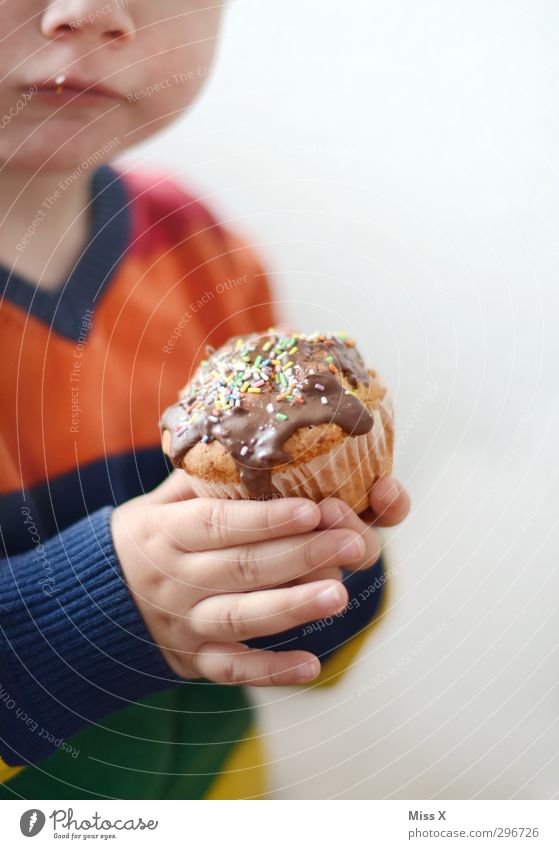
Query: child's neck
x=43 y=229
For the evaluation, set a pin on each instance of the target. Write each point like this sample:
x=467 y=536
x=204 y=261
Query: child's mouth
x=69 y=92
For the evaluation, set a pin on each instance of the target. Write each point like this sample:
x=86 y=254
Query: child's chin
x=51 y=150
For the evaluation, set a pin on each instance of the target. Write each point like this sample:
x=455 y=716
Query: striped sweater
x=88 y=706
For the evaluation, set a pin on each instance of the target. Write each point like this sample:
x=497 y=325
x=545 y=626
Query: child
x=113 y=284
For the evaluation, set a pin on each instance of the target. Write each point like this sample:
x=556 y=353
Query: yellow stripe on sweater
x=7 y=772
x=243 y=775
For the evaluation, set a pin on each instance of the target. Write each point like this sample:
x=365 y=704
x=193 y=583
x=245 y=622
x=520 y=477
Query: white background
x=395 y=164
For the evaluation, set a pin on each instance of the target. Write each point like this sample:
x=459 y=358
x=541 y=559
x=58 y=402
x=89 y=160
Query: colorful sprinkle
x=259 y=366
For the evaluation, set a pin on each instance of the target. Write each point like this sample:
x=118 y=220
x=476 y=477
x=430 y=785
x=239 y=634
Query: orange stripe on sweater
x=65 y=403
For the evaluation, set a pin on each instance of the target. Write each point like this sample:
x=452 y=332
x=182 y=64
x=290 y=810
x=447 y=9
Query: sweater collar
x=66 y=308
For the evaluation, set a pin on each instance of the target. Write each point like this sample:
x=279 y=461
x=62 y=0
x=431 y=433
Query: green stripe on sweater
x=171 y=745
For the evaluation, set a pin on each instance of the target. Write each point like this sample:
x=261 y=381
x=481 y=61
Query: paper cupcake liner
x=347 y=472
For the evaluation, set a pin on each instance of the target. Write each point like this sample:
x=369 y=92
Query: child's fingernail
x=307 y=671
x=390 y=492
x=351 y=548
x=305 y=516
x=332 y=512
x=332 y=597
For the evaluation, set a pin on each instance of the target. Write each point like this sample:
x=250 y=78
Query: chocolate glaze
x=250 y=427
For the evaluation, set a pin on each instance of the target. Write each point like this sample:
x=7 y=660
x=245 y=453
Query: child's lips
x=71 y=93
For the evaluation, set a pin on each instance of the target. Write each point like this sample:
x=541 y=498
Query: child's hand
x=201 y=572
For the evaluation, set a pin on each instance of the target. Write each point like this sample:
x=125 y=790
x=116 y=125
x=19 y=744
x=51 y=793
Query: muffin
x=280 y=414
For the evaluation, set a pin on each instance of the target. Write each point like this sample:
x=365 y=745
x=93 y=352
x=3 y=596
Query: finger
x=204 y=524
x=336 y=514
x=390 y=502
x=332 y=573
x=235 y=663
x=175 y=487
x=268 y=564
x=241 y=616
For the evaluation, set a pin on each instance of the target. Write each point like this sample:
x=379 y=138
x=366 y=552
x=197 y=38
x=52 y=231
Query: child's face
x=151 y=55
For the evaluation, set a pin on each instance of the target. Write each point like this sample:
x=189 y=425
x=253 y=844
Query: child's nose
x=110 y=22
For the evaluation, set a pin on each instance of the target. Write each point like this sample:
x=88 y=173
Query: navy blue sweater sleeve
x=73 y=646
x=325 y=636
